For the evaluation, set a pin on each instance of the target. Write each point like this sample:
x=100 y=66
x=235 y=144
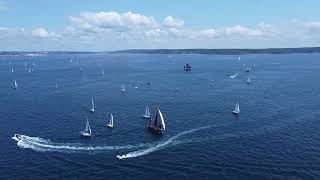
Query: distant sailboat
x=92 y=105
x=147 y=113
x=248 y=81
x=157 y=124
x=248 y=70
x=239 y=58
x=110 y=124
x=87 y=131
x=236 y=109
x=15 y=84
x=234 y=76
x=12 y=70
x=123 y=89
x=56 y=84
x=102 y=72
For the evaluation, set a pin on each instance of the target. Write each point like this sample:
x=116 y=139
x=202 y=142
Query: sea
x=275 y=136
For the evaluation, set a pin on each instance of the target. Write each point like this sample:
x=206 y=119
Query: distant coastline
x=223 y=51
x=178 y=51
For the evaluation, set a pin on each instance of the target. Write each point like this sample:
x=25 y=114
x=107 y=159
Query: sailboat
x=15 y=84
x=56 y=84
x=248 y=81
x=92 y=105
x=102 y=72
x=110 y=124
x=87 y=131
x=236 y=109
x=157 y=124
x=147 y=113
x=123 y=89
x=239 y=58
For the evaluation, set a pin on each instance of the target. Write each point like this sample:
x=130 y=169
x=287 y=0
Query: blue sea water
x=276 y=136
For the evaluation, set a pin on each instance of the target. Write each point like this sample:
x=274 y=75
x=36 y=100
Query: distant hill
x=224 y=51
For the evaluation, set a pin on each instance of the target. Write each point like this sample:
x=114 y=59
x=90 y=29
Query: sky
x=104 y=25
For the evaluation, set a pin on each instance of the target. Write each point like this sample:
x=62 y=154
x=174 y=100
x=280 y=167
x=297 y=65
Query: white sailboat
x=15 y=84
x=236 y=109
x=248 y=81
x=123 y=89
x=102 y=72
x=87 y=131
x=12 y=70
x=239 y=58
x=110 y=124
x=147 y=113
x=157 y=124
x=56 y=84
x=92 y=105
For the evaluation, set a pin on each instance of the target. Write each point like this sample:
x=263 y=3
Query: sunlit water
x=276 y=135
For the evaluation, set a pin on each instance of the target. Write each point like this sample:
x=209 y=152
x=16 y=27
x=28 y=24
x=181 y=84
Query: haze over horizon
x=43 y=25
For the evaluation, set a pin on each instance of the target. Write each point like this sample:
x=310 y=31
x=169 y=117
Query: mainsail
x=158 y=122
x=111 y=121
x=88 y=129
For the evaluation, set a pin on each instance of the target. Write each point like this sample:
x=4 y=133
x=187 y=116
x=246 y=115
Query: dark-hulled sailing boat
x=157 y=124
x=187 y=67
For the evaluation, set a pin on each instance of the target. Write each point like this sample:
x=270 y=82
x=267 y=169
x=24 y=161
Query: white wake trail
x=159 y=146
x=40 y=144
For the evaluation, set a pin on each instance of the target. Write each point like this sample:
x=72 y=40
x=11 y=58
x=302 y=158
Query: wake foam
x=40 y=144
x=158 y=146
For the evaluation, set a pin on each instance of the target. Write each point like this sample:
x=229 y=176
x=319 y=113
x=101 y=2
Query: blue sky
x=98 y=25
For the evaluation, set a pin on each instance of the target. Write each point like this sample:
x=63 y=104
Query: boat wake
x=159 y=146
x=40 y=144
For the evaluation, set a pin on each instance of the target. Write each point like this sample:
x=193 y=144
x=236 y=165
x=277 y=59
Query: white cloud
x=313 y=26
x=43 y=33
x=239 y=30
x=173 y=22
x=100 y=21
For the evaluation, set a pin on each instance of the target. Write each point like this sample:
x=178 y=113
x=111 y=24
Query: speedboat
x=17 y=137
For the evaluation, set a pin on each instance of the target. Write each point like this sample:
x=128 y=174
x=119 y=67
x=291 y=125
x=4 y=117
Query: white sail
x=158 y=122
x=147 y=113
x=92 y=105
x=237 y=109
x=56 y=84
x=110 y=121
x=12 y=70
x=239 y=58
x=123 y=89
x=15 y=84
x=102 y=72
x=248 y=81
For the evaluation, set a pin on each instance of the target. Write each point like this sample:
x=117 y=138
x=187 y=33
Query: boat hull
x=85 y=134
x=156 y=130
x=110 y=126
x=235 y=112
x=146 y=116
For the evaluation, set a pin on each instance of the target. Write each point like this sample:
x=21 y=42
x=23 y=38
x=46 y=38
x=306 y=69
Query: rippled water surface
x=275 y=136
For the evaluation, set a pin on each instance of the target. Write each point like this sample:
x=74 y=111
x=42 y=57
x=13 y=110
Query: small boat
x=56 y=84
x=239 y=58
x=234 y=76
x=248 y=81
x=15 y=86
x=248 y=70
x=87 y=131
x=102 y=72
x=157 y=124
x=12 y=70
x=92 y=105
x=236 y=109
x=146 y=113
x=123 y=89
x=187 y=67
x=110 y=124
x=17 y=137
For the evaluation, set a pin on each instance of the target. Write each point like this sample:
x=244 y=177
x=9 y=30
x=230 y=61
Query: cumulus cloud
x=173 y=22
x=313 y=26
x=100 y=21
x=43 y=33
x=239 y=30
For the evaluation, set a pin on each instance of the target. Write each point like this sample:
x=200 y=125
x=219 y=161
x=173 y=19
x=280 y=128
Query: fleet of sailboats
x=87 y=132
x=110 y=124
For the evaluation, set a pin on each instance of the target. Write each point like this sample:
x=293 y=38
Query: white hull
x=235 y=112
x=146 y=116
x=91 y=110
x=85 y=134
x=110 y=125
